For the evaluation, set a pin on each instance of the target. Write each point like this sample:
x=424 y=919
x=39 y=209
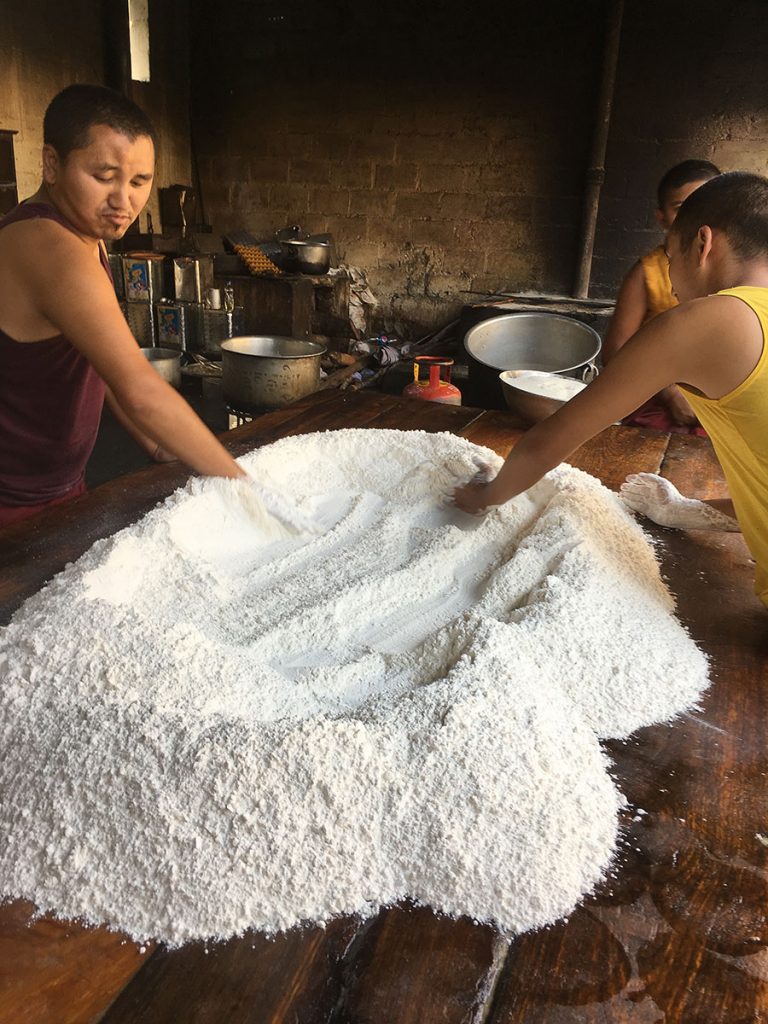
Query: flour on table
x=210 y=723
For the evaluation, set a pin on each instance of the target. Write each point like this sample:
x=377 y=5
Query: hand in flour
x=662 y=503
x=268 y=501
x=474 y=497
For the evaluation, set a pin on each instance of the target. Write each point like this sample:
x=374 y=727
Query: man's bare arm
x=712 y=344
x=629 y=314
x=627 y=319
x=75 y=296
x=152 y=448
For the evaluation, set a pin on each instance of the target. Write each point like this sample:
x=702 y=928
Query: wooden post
x=596 y=172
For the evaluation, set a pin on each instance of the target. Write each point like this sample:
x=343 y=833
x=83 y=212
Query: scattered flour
x=209 y=724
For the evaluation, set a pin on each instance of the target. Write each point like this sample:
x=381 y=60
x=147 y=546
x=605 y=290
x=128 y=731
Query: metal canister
x=143 y=277
x=178 y=324
x=217 y=325
x=192 y=275
x=116 y=266
x=141 y=320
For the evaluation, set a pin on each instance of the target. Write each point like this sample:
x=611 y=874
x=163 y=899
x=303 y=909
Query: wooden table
x=679 y=936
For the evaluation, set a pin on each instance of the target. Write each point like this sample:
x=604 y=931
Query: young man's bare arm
x=711 y=344
x=75 y=296
x=629 y=314
x=152 y=448
x=628 y=318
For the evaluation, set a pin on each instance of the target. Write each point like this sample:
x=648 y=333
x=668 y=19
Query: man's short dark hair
x=75 y=110
x=736 y=204
x=684 y=174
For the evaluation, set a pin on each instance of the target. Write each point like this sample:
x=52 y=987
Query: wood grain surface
x=677 y=934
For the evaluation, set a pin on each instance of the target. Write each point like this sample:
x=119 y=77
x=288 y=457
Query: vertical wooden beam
x=596 y=171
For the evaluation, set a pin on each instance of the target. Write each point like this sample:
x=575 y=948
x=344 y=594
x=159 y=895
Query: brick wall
x=445 y=151
x=446 y=145
x=41 y=51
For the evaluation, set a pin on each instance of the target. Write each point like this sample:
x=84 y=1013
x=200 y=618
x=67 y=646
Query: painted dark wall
x=693 y=83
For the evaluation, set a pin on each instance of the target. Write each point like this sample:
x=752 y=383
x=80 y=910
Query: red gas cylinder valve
x=436 y=387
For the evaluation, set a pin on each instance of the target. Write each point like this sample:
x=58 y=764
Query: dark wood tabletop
x=679 y=936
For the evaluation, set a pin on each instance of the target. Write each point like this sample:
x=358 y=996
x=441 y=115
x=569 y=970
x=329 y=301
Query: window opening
x=138 y=22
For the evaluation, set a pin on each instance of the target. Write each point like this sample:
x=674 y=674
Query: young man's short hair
x=684 y=174
x=75 y=110
x=736 y=204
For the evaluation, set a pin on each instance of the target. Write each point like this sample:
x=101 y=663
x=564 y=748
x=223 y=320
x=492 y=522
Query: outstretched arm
x=712 y=344
x=628 y=317
x=76 y=297
x=152 y=448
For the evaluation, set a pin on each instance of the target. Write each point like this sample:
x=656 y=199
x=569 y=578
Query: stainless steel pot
x=534 y=341
x=528 y=341
x=167 y=362
x=308 y=257
x=268 y=372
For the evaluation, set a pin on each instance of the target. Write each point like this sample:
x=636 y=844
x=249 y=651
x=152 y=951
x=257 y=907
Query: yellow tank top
x=737 y=424
x=658 y=286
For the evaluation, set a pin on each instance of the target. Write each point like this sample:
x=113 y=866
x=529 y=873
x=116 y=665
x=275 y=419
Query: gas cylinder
x=437 y=386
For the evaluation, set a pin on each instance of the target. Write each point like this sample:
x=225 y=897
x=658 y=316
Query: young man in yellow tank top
x=713 y=345
x=647 y=291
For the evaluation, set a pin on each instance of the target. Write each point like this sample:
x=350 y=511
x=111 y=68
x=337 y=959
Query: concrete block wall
x=43 y=47
x=446 y=147
x=445 y=155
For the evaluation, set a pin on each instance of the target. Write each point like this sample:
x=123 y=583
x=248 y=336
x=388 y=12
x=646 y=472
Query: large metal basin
x=534 y=341
x=263 y=372
x=527 y=341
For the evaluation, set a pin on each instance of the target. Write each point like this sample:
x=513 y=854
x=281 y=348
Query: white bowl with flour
x=534 y=394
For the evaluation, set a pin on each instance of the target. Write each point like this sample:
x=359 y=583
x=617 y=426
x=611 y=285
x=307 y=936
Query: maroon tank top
x=50 y=405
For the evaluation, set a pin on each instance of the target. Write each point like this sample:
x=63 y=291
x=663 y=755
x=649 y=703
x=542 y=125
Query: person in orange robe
x=647 y=291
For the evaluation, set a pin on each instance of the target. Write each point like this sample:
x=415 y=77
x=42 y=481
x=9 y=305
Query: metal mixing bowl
x=308 y=257
x=167 y=362
x=527 y=406
x=534 y=341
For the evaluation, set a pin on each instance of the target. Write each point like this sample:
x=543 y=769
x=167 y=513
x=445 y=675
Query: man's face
x=103 y=187
x=675 y=199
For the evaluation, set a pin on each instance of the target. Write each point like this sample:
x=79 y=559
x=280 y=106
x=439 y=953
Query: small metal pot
x=308 y=257
x=167 y=362
x=268 y=372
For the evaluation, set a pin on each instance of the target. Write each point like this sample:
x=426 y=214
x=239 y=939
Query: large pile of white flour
x=209 y=725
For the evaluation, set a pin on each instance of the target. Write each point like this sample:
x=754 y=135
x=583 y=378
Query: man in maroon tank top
x=64 y=343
